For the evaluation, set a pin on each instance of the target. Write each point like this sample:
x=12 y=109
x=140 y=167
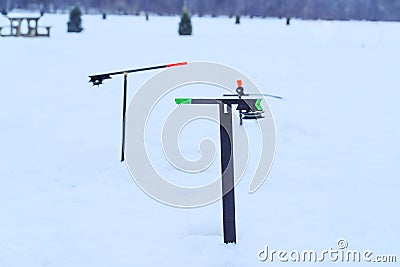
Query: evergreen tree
x=237 y=21
x=75 y=21
x=185 y=26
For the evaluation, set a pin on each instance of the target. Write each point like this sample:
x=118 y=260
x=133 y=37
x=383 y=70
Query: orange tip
x=176 y=64
x=239 y=83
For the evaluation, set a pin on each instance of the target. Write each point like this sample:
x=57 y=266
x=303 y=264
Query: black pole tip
x=98 y=79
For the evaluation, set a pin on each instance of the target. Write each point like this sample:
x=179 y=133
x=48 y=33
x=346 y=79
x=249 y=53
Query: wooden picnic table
x=16 y=28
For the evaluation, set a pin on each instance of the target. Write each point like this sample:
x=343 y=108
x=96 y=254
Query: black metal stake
x=123 y=116
x=228 y=181
x=248 y=109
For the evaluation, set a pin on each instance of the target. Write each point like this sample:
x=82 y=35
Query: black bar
x=137 y=70
x=243 y=103
x=205 y=101
x=129 y=71
x=227 y=170
x=98 y=79
x=123 y=116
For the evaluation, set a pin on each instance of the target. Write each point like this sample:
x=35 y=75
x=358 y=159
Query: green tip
x=258 y=105
x=181 y=101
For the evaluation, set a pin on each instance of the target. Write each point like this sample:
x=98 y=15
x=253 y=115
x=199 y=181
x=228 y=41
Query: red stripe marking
x=176 y=64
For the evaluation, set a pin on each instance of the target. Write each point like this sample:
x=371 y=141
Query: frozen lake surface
x=66 y=200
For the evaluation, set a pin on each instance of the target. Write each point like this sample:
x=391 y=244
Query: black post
x=228 y=181
x=248 y=109
x=123 y=117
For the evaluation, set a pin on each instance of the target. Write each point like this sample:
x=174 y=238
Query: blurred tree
x=185 y=25
x=75 y=20
x=308 y=9
x=237 y=19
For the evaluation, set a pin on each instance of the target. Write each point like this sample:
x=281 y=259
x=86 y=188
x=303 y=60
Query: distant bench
x=33 y=30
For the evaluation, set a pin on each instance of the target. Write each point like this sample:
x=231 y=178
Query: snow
x=22 y=14
x=66 y=200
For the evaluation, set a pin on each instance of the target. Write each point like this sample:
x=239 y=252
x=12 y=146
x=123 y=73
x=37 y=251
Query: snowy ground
x=66 y=200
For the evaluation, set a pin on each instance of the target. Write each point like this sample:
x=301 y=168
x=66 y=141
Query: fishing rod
x=240 y=92
x=98 y=79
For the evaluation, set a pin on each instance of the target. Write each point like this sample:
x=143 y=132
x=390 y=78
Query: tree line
x=307 y=9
